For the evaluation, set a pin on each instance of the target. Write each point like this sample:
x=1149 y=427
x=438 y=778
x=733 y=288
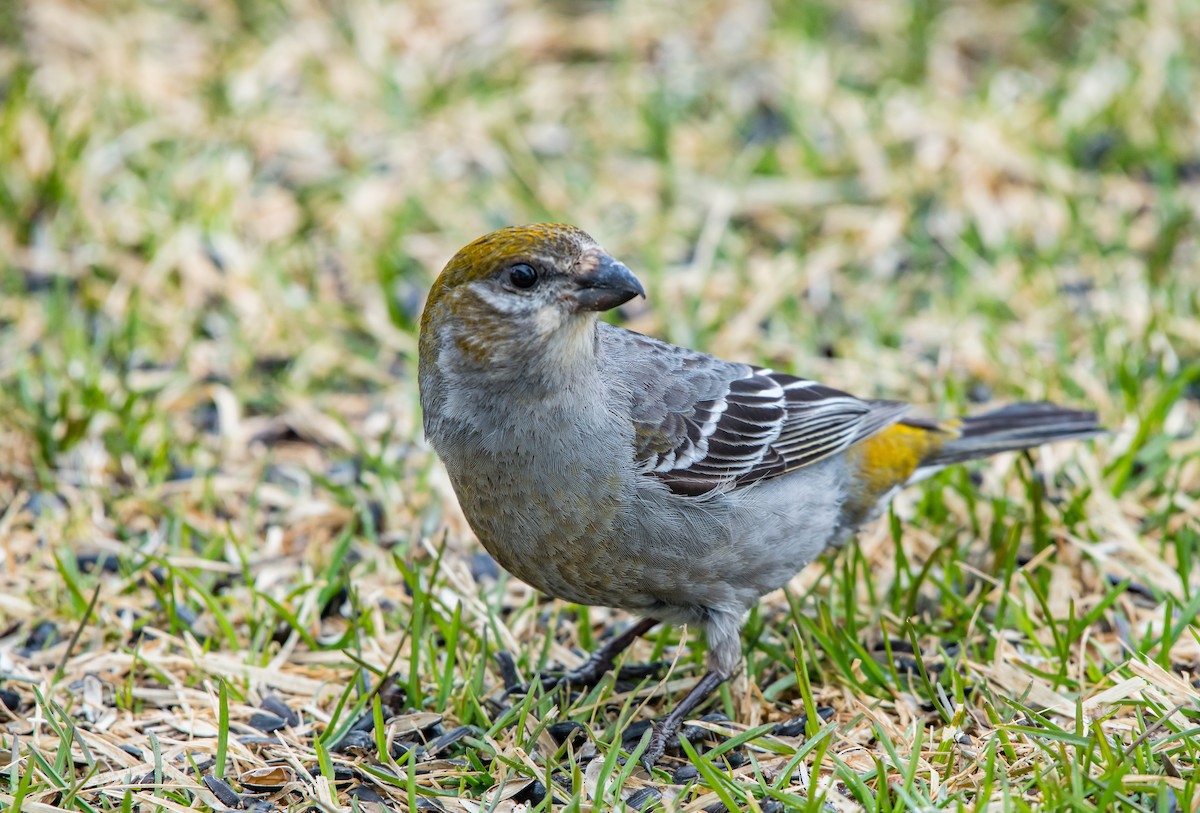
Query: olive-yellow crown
x=523 y=291
x=551 y=243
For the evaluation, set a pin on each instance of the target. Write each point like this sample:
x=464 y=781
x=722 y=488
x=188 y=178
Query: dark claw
x=663 y=731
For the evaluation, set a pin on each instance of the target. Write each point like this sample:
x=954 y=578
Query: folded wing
x=704 y=425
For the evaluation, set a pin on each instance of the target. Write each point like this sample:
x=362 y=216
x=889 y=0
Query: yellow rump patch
x=889 y=458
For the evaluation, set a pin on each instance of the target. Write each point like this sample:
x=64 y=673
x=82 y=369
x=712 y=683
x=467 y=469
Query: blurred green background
x=218 y=221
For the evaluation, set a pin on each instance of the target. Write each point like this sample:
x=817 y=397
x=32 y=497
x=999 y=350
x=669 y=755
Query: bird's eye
x=522 y=275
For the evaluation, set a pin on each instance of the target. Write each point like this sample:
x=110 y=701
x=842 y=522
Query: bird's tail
x=1019 y=426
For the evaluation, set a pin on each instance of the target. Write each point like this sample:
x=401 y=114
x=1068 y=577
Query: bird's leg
x=667 y=727
x=590 y=671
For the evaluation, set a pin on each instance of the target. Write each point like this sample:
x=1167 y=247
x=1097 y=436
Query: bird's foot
x=667 y=729
x=584 y=676
x=660 y=736
x=591 y=671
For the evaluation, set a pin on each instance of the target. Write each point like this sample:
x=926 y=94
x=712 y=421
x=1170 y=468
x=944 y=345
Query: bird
x=605 y=467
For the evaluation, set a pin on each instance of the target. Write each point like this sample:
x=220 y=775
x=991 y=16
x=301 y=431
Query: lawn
x=233 y=574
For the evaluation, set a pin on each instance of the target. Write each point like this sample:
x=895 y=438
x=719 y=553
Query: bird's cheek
x=474 y=348
x=547 y=320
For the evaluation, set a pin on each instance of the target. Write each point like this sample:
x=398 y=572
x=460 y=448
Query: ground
x=234 y=573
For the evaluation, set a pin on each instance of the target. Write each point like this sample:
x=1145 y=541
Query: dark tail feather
x=1020 y=426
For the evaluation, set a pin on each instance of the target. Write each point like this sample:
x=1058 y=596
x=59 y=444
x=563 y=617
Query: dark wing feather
x=702 y=424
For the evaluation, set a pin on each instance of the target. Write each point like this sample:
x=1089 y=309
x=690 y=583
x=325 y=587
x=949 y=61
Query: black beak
x=610 y=284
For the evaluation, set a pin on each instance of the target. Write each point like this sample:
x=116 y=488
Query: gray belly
x=733 y=549
x=646 y=549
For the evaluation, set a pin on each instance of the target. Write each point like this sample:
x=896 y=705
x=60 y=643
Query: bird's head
x=521 y=292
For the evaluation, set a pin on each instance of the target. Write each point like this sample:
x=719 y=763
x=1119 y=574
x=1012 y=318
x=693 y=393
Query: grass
x=234 y=574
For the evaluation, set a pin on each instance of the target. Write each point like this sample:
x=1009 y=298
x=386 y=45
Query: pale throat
x=547 y=354
x=573 y=344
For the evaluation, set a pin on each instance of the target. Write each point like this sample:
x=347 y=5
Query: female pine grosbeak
x=605 y=467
